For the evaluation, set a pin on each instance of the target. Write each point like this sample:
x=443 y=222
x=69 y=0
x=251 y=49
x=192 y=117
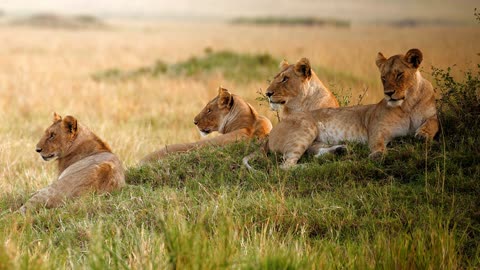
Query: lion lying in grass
x=408 y=107
x=85 y=163
x=228 y=114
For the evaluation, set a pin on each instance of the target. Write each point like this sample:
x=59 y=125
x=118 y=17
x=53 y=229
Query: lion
x=297 y=88
x=85 y=164
x=408 y=107
x=228 y=114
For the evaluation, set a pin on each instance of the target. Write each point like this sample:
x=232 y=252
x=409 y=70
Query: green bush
x=459 y=105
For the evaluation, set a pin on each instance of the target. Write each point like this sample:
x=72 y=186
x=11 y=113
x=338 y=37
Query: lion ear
x=56 y=117
x=303 y=68
x=380 y=59
x=414 y=57
x=284 y=64
x=70 y=124
x=225 y=99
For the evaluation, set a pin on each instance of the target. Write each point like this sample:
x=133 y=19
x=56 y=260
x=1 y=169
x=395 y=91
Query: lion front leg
x=428 y=129
x=292 y=136
x=296 y=146
x=378 y=145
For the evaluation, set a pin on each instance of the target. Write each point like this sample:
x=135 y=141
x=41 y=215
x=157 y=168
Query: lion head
x=211 y=117
x=58 y=137
x=289 y=84
x=398 y=74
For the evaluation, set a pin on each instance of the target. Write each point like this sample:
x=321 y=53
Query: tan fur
x=85 y=163
x=228 y=114
x=297 y=88
x=408 y=108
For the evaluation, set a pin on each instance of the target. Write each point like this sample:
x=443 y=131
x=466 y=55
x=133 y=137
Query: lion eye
x=52 y=136
x=399 y=75
x=383 y=79
x=285 y=79
x=209 y=111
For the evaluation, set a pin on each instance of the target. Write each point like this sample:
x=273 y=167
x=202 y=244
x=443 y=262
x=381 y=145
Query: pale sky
x=355 y=10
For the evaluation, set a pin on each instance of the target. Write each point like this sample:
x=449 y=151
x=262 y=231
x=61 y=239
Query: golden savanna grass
x=42 y=71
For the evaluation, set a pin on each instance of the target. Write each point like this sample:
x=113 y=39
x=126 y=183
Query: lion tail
x=261 y=150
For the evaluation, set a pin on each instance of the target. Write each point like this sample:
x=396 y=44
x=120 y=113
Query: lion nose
x=269 y=94
x=389 y=93
x=195 y=122
x=38 y=149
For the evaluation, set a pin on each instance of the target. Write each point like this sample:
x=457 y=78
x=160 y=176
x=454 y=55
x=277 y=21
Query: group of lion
x=310 y=121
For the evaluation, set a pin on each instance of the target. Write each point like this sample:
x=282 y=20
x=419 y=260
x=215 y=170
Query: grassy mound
x=232 y=65
x=241 y=67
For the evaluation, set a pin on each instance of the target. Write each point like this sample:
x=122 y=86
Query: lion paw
x=340 y=150
x=424 y=134
x=376 y=156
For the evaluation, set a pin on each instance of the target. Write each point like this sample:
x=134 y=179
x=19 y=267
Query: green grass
x=204 y=210
x=416 y=209
x=234 y=66
x=240 y=67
